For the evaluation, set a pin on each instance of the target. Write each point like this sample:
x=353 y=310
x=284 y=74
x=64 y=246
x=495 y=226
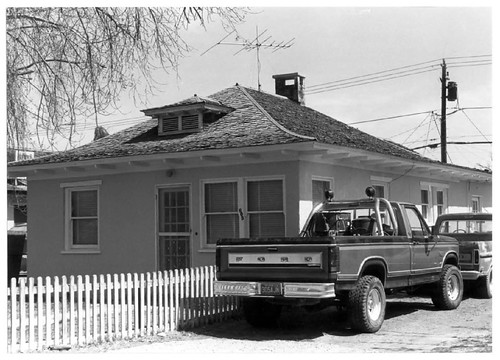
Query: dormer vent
x=187 y=116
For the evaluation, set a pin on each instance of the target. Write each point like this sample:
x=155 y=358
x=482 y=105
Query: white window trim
x=69 y=247
x=479 y=199
x=204 y=246
x=432 y=188
x=241 y=187
x=245 y=208
x=331 y=180
x=382 y=181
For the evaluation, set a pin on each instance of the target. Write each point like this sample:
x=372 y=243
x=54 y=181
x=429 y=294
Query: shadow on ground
x=299 y=324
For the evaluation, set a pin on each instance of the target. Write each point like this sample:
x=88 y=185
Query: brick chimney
x=290 y=85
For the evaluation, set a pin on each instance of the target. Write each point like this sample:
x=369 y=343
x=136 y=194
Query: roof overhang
x=390 y=166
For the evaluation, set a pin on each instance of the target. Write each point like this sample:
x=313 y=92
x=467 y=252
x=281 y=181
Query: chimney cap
x=287 y=76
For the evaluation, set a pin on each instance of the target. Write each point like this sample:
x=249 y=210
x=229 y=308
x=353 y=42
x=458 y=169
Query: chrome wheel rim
x=452 y=287
x=374 y=304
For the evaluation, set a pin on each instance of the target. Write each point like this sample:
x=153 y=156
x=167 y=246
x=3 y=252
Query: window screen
x=221 y=211
x=265 y=208
x=84 y=217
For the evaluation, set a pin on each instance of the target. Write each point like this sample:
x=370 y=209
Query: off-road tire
x=484 y=283
x=260 y=313
x=367 y=305
x=449 y=290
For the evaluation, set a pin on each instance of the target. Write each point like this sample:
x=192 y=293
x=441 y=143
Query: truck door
x=425 y=258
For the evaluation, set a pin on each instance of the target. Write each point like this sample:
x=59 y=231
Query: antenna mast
x=255 y=44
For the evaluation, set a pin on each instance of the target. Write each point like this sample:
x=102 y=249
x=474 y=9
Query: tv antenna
x=255 y=44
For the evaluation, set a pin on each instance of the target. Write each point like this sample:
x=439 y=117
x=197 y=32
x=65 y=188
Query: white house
x=239 y=163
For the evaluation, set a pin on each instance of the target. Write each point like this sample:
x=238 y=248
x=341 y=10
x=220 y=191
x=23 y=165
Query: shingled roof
x=259 y=119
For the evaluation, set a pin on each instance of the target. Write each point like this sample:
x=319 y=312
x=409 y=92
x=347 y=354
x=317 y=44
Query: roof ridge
x=270 y=118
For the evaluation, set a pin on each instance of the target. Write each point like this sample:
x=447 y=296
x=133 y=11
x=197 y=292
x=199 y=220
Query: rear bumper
x=284 y=289
x=472 y=274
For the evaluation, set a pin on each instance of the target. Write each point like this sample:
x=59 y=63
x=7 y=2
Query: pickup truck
x=351 y=254
x=474 y=232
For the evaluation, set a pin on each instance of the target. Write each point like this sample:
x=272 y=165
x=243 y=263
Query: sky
x=331 y=44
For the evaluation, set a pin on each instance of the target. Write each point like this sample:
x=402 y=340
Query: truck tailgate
x=275 y=259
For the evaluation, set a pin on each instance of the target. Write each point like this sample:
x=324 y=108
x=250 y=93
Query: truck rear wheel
x=367 y=305
x=260 y=313
x=484 y=286
x=450 y=289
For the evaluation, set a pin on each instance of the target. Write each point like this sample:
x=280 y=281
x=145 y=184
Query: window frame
x=69 y=246
x=241 y=191
x=247 y=213
x=381 y=182
x=330 y=180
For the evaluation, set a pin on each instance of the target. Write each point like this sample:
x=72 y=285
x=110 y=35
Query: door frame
x=158 y=188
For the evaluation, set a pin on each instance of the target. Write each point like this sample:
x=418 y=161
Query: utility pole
x=444 y=78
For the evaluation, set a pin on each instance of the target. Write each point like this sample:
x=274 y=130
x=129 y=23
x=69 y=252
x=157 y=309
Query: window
x=318 y=190
x=424 y=201
x=439 y=202
x=379 y=190
x=221 y=211
x=475 y=204
x=418 y=227
x=82 y=216
x=242 y=208
x=265 y=208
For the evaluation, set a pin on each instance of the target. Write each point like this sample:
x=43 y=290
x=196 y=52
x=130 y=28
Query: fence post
x=94 y=308
x=148 y=303
x=116 y=306
x=129 y=305
x=39 y=309
x=141 y=305
x=88 y=316
x=79 y=309
x=48 y=311
x=102 y=303
x=171 y=304
x=161 y=320
x=22 y=313
x=123 y=306
x=64 y=298
x=136 y=305
x=13 y=312
x=109 y=307
x=57 y=315
x=154 y=312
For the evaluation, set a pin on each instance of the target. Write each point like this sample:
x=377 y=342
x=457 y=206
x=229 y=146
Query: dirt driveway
x=411 y=325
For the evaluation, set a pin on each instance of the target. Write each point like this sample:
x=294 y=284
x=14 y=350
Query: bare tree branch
x=66 y=65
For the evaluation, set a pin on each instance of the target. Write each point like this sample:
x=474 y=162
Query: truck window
x=417 y=225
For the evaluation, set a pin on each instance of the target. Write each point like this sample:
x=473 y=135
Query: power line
x=418 y=113
x=370 y=80
x=371 y=74
x=390 y=74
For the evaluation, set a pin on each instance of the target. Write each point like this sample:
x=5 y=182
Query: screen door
x=174 y=228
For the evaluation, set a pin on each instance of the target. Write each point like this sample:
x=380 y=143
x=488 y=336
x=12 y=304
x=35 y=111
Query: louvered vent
x=190 y=122
x=170 y=124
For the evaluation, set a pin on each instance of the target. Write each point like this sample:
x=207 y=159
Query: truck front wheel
x=449 y=290
x=367 y=305
x=260 y=313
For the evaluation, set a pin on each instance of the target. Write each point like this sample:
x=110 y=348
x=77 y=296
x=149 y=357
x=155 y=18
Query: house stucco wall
x=127 y=218
x=128 y=210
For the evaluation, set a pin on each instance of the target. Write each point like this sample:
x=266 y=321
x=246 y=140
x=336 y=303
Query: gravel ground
x=412 y=324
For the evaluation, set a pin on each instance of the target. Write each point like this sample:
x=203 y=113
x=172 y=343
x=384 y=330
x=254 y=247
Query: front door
x=174 y=228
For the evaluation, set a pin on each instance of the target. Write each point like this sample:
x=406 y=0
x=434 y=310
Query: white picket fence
x=60 y=312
